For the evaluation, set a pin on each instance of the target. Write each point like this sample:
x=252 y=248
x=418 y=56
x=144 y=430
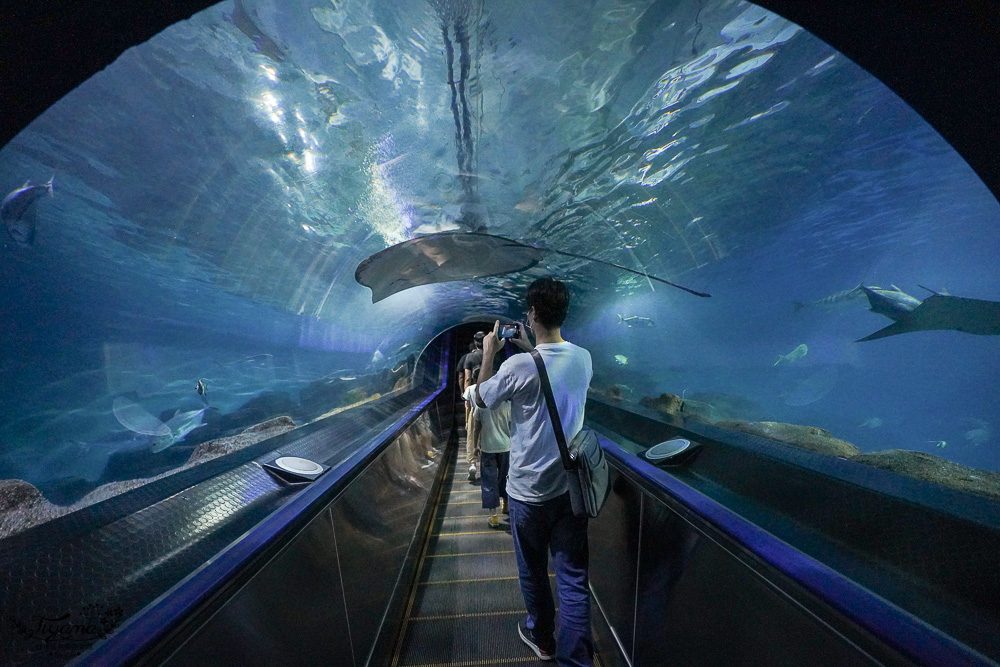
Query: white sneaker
x=472 y=473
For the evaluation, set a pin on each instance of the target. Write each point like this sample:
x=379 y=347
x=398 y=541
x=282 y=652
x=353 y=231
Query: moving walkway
x=466 y=603
x=750 y=553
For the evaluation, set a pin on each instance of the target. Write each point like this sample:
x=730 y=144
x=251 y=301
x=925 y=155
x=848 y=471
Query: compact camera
x=510 y=330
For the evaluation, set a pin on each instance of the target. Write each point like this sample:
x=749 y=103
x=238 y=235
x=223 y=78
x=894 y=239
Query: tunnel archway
x=190 y=285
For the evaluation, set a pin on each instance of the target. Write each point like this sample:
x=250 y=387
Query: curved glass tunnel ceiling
x=216 y=188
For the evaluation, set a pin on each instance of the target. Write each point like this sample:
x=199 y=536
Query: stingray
x=448 y=256
x=943 y=313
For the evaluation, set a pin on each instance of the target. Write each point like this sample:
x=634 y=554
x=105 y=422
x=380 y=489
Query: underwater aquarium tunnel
x=247 y=244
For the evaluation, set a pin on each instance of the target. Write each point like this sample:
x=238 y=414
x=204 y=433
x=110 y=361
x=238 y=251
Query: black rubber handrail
x=632 y=421
x=890 y=623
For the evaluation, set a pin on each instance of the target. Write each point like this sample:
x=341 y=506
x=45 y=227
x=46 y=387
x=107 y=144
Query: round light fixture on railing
x=672 y=452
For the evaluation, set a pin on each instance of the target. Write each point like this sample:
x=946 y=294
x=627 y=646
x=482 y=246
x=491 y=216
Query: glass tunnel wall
x=215 y=189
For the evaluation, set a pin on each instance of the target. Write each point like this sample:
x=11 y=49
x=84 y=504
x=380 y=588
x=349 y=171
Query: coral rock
x=809 y=438
x=934 y=469
x=282 y=423
x=668 y=404
x=22 y=506
x=16 y=494
x=251 y=436
x=674 y=405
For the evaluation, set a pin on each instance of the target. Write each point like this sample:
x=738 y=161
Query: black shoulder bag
x=583 y=458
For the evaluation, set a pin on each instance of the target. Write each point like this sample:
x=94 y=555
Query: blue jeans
x=494 y=476
x=551 y=526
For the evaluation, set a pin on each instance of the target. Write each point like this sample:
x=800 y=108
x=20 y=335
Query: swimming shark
x=893 y=303
x=635 y=321
x=840 y=298
x=938 y=312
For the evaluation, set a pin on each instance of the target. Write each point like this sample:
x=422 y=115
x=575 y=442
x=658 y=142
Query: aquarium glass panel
x=182 y=232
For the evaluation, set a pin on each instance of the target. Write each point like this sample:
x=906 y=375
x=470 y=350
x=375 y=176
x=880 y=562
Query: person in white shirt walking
x=541 y=516
x=470 y=369
x=494 y=445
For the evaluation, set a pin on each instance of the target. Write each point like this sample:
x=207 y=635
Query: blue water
x=211 y=204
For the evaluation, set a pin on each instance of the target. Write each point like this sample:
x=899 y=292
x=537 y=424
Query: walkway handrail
x=890 y=623
x=163 y=615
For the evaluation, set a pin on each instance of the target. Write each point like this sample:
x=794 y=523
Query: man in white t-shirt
x=540 y=513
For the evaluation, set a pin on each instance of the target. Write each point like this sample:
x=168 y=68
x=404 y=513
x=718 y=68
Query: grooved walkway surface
x=467 y=602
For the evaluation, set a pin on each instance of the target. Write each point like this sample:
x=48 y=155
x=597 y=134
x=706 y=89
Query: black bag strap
x=550 y=401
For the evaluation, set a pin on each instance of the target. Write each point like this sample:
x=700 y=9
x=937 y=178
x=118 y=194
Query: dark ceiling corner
x=941 y=57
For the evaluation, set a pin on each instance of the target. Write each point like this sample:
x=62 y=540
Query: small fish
x=871 y=422
x=977 y=436
x=254 y=360
x=831 y=301
x=793 y=356
x=635 y=321
x=940 y=444
x=18 y=210
x=530 y=204
x=347 y=378
x=977 y=432
x=201 y=388
x=621 y=359
x=393 y=161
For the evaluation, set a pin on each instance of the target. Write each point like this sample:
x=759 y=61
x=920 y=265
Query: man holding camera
x=541 y=516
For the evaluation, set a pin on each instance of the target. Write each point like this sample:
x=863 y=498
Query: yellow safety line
x=468 y=502
x=478 y=614
x=438 y=506
x=477 y=532
x=443 y=502
x=471 y=553
x=476 y=663
x=468 y=581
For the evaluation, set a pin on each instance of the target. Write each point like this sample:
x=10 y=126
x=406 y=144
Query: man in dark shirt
x=474 y=359
x=461 y=368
